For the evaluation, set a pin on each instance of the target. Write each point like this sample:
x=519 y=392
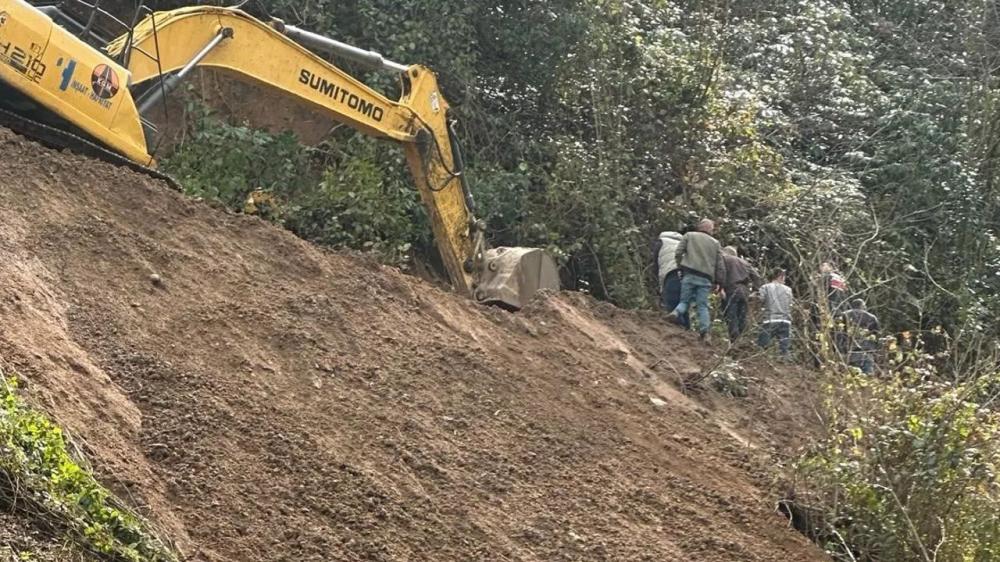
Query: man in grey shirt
x=777 y=311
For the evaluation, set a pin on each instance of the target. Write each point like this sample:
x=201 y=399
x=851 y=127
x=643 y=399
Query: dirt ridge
x=268 y=400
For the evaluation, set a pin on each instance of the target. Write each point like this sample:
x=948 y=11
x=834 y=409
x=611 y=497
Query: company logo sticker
x=67 y=74
x=104 y=81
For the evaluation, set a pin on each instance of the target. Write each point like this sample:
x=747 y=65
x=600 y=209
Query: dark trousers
x=780 y=330
x=735 y=310
x=670 y=295
x=863 y=360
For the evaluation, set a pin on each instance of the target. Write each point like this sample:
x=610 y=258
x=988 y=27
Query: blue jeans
x=695 y=288
x=670 y=295
x=780 y=330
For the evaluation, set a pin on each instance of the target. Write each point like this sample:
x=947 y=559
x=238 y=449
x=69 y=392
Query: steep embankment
x=271 y=401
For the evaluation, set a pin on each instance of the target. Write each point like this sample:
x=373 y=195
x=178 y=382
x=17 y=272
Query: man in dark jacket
x=700 y=259
x=861 y=330
x=739 y=280
x=835 y=287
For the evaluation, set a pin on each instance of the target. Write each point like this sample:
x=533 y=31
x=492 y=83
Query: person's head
x=778 y=276
x=826 y=267
x=858 y=304
x=706 y=226
x=730 y=251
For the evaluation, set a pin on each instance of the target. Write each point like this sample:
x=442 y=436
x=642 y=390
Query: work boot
x=705 y=337
x=673 y=317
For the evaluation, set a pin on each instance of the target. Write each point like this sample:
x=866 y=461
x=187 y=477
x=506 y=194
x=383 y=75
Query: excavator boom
x=108 y=96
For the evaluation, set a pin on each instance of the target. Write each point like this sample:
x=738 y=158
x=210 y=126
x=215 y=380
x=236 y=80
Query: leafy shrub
x=363 y=202
x=42 y=478
x=728 y=378
x=227 y=162
x=909 y=470
x=354 y=194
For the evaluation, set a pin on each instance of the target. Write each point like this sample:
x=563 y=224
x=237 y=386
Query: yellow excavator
x=62 y=83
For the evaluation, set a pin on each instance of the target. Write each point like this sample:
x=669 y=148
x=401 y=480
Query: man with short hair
x=777 y=310
x=740 y=279
x=700 y=259
x=669 y=272
x=862 y=330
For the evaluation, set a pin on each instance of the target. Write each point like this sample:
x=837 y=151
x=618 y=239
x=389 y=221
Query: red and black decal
x=104 y=81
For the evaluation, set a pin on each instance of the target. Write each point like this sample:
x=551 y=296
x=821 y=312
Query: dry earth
x=267 y=400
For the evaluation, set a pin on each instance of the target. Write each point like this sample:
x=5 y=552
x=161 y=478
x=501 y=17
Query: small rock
x=657 y=401
x=156 y=280
x=682 y=438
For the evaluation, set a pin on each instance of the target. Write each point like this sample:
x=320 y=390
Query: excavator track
x=58 y=138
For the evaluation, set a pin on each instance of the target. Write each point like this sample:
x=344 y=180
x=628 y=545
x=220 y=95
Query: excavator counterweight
x=56 y=71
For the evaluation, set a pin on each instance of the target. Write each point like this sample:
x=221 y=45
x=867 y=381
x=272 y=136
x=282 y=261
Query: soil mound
x=262 y=399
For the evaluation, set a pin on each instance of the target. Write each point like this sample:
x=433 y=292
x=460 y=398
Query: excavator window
x=90 y=22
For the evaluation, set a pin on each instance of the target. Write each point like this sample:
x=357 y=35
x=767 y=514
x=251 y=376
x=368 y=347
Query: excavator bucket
x=514 y=275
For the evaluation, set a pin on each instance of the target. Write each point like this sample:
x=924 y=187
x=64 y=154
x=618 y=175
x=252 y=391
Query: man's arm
x=756 y=281
x=681 y=249
x=765 y=296
x=720 y=268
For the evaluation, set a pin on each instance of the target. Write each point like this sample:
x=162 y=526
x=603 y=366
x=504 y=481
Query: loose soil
x=23 y=539
x=261 y=399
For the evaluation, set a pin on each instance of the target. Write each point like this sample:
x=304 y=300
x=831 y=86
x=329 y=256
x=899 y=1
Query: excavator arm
x=55 y=70
x=166 y=43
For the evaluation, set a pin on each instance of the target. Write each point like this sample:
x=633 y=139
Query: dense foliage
x=337 y=194
x=909 y=470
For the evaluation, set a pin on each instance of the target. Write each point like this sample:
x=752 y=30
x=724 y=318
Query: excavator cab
x=59 y=75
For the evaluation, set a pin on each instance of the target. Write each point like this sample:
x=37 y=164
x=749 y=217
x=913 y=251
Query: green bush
x=909 y=470
x=364 y=200
x=350 y=194
x=227 y=162
x=41 y=479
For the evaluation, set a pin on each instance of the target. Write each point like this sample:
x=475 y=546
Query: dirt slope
x=272 y=401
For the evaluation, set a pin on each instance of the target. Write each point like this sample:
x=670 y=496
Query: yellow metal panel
x=260 y=54
x=69 y=77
